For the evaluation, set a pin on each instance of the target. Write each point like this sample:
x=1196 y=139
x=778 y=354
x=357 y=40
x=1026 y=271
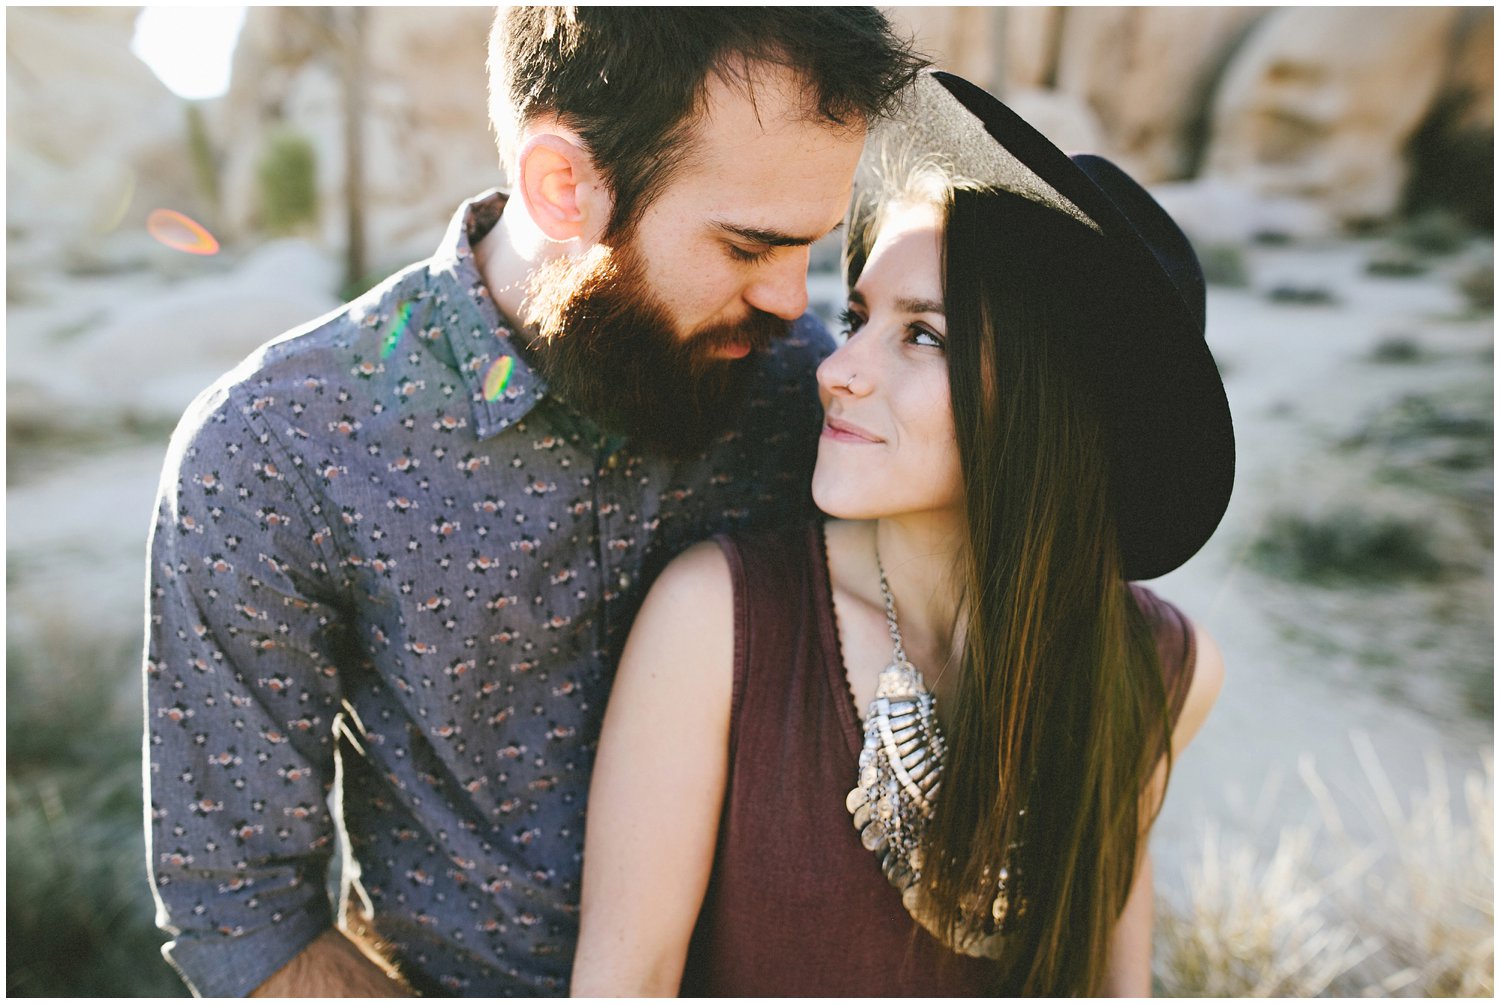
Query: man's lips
x=847 y=432
x=734 y=350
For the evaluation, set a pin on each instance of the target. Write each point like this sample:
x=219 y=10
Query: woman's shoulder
x=699 y=577
x=1192 y=664
x=707 y=577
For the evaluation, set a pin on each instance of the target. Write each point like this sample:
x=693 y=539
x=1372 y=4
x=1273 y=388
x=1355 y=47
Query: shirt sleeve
x=241 y=689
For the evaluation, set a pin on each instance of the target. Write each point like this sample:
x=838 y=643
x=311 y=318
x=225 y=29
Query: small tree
x=287 y=177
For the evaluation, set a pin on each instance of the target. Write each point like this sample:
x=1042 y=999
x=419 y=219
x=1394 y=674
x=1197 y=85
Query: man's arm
x=241 y=688
x=335 y=966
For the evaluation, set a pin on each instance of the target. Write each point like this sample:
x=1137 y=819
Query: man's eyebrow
x=770 y=238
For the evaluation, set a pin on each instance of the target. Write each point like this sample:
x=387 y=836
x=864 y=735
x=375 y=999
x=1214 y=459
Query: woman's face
x=888 y=445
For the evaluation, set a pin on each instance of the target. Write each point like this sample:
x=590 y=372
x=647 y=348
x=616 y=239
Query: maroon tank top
x=795 y=905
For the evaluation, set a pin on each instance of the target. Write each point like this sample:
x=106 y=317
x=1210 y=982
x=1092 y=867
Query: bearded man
x=397 y=551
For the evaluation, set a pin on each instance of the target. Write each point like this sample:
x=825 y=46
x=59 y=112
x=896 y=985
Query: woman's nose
x=838 y=375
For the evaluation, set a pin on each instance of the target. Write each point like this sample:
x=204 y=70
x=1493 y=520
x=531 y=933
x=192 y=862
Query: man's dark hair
x=631 y=80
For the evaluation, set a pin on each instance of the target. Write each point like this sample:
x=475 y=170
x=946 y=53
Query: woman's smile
x=840 y=431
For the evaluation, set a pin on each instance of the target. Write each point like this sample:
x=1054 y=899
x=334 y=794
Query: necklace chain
x=890 y=611
x=900 y=769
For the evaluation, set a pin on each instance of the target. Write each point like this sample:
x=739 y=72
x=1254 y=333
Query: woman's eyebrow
x=911 y=306
x=904 y=304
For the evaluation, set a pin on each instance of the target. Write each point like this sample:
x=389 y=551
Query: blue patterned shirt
x=389 y=581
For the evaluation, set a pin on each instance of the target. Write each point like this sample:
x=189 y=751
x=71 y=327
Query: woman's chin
x=839 y=502
x=829 y=500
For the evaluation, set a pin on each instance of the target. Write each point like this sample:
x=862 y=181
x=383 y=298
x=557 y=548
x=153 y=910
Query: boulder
x=1453 y=152
x=1321 y=102
x=150 y=356
x=1032 y=36
x=961 y=40
x=1145 y=72
x=427 y=143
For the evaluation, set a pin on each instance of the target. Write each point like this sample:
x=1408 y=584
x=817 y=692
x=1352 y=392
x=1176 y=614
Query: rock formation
x=427 y=142
x=1145 y=71
x=1361 y=112
x=1321 y=102
x=93 y=141
x=1298 y=105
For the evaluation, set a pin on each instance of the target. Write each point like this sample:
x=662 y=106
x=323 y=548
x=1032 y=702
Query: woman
x=1023 y=417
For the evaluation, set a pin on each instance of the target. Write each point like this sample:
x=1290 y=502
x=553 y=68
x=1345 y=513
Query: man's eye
x=749 y=257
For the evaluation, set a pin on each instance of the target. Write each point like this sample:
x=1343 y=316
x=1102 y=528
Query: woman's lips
x=847 y=432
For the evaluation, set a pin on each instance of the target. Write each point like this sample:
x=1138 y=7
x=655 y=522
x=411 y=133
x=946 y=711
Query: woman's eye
x=920 y=334
x=849 y=322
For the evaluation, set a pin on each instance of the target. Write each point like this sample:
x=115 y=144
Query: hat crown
x=1172 y=439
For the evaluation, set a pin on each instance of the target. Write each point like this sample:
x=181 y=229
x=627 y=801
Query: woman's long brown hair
x=1061 y=711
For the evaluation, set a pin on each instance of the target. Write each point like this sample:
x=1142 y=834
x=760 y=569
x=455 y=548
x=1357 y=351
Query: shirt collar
x=502 y=388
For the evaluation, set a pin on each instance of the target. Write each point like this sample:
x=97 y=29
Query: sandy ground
x=1299 y=378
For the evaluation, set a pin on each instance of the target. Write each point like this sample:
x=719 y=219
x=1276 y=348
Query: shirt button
x=624 y=582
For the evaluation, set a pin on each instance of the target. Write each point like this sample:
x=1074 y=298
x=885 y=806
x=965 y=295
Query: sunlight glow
x=189 y=48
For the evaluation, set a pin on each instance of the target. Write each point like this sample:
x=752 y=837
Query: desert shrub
x=1478 y=287
x=1224 y=265
x=1424 y=438
x=1396 y=349
x=1291 y=292
x=79 y=911
x=1272 y=238
x=1434 y=231
x=1428 y=897
x=1347 y=545
x=287 y=179
x=1395 y=263
x=1255 y=927
x=1408 y=910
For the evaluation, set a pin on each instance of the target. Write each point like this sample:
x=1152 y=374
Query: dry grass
x=1407 y=912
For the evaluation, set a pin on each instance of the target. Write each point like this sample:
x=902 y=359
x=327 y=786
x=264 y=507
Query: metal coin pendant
x=900 y=774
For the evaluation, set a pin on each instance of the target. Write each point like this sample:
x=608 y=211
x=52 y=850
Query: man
x=397 y=551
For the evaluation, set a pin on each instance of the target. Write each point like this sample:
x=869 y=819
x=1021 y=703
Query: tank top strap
x=780 y=598
x=1175 y=645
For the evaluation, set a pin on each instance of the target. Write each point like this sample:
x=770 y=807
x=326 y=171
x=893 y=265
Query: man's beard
x=607 y=346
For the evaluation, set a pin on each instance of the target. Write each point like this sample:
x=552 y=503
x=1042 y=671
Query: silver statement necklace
x=900 y=772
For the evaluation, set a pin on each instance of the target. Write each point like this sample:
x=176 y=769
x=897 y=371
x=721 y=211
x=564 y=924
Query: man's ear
x=561 y=189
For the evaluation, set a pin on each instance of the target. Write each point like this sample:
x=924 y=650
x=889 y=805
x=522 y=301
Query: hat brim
x=1172 y=438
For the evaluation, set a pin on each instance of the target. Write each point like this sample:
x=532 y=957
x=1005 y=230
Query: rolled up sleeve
x=241 y=690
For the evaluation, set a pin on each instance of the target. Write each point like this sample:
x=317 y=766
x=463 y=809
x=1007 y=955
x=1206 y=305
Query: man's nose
x=782 y=288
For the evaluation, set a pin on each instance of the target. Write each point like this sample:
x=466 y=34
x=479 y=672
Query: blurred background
x=185 y=184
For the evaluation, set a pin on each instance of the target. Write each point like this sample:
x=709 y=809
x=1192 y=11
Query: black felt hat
x=1172 y=441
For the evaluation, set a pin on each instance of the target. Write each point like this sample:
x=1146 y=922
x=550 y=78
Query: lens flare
x=497 y=376
x=180 y=233
x=397 y=330
x=122 y=194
